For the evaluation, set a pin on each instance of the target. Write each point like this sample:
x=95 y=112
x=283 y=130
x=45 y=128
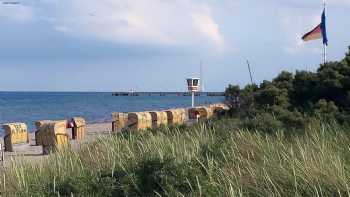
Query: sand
x=32 y=152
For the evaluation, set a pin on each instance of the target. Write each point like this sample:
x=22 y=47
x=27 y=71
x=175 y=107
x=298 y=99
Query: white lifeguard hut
x=193 y=86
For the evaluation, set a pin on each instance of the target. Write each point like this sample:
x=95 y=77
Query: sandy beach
x=31 y=151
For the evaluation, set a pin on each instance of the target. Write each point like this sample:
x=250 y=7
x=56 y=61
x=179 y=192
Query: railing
x=167 y=94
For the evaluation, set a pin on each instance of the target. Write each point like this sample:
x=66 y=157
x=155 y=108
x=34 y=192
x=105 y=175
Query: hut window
x=189 y=82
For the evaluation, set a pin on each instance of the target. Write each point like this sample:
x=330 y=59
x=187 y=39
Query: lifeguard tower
x=193 y=86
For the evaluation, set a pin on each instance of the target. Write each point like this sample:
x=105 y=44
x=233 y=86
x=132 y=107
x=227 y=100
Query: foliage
x=220 y=160
x=325 y=109
x=292 y=97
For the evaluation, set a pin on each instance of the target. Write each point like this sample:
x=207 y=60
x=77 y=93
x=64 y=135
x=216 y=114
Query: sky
x=154 y=45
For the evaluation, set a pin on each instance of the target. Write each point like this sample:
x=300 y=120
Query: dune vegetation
x=292 y=100
x=213 y=158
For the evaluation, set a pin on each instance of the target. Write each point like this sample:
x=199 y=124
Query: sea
x=95 y=107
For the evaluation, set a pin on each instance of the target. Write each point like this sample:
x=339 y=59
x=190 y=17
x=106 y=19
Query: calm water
x=94 y=107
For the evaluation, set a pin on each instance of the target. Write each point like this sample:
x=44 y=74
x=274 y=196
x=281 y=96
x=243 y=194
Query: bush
x=327 y=111
x=221 y=160
x=264 y=122
x=289 y=98
x=292 y=120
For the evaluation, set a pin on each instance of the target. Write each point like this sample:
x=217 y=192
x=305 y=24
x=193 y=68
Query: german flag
x=318 y=32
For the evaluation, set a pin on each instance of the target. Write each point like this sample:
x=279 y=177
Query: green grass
x=208 y=159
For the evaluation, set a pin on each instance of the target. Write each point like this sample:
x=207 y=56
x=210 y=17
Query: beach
x=95 y=108
x=32 y=152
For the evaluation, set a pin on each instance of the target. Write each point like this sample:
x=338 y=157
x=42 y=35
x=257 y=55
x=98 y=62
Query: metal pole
x=324 y=54
x=324 y=45
x=192 y=99
x=201 y=82
x=250 y=73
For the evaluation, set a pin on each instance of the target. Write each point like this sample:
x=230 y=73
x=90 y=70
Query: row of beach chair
x=52 y=134
x=154 y=119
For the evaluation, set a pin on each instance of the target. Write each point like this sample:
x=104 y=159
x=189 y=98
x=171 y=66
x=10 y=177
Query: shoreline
x=94 y=107
x=30 y=151
x=88 y=123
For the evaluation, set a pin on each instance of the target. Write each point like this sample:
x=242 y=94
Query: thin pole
x=324 y=54
x=201 y=82
x=2 y=155
x=250 y=73
x=324 y=45
x=192 y=99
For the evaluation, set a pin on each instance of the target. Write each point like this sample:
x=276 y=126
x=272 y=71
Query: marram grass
x=207 y=159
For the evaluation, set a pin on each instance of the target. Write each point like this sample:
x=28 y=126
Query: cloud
x=310 y=3
x=156 y=22
x=295 y=22
x=20 y=13
x=294 y=28
x=209 y=28
x=338 y=2
x=298 y=17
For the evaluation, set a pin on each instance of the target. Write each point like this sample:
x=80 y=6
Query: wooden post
x=2 y=154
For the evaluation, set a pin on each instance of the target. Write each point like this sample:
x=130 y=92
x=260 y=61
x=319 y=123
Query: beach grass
x=214 y=158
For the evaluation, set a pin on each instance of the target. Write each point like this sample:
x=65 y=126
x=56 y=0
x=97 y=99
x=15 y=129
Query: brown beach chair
x=53 y=136
x=201 y=112
x=176 y=116
x=139 y=120
x=39 y=124
x=159 y=118
x=15 y=133
x=78 y=130
x=119 y=121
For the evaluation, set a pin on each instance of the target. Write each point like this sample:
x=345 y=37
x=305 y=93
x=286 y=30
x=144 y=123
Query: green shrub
x=264 y=122
x=325 y=110
x=324 y=94
x=197 y=160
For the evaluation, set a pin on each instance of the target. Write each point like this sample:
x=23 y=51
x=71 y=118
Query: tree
x=346 y=60
x=288 y=97
x=284 y=80
x=303 y=92
x=270 y=96
x=232 y=94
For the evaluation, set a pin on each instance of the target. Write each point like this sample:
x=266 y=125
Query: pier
x=167 y=94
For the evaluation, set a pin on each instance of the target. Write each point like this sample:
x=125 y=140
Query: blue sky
x=151 y=45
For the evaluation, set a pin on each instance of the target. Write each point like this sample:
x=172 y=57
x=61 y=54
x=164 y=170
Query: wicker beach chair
x=15 y=133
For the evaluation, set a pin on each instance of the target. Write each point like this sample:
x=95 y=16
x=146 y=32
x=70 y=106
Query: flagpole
x=324 y=45
x=324 y=54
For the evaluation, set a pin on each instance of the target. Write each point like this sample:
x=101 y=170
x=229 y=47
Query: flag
x=318 y=32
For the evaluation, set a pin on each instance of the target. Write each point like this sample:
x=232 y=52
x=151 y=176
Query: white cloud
x=61 y=28
x=160 y=22
x=209 y=28
x=295 y=23
x=298 y=17
x=21 y=13
x=339 y=2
